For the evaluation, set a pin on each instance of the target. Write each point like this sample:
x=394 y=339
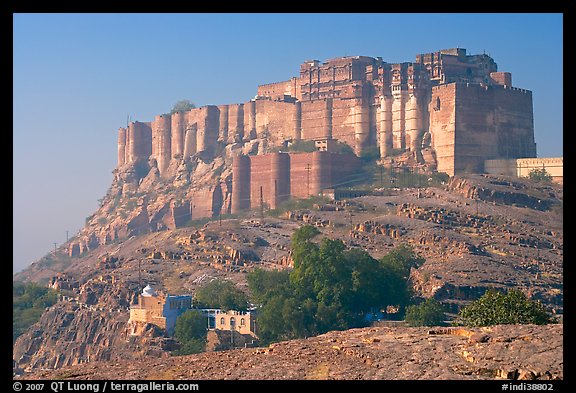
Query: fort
x=446 y=111
x=451 y=111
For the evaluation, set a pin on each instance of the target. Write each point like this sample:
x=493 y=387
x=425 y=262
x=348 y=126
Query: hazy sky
x=77 y=77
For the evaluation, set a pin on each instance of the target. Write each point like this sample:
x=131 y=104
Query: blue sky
x=77 y=77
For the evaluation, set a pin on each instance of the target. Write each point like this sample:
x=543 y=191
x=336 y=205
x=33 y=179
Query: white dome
x=148 y=291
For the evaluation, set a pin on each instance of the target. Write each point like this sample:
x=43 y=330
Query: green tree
x=182 y=106
x=540 y=175
x=428 y=313
x=330 y=288
x=190 y=330
x=28 y=303
x=263 y=283
x=221 y=294
x=496 y=308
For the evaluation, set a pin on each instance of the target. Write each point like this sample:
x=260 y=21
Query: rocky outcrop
x=74 y=333
x=504 y=190
x=506 y=352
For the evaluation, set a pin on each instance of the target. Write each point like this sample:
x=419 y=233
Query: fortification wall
x=491 y=122
x=235 y=123
x=223 y=123
x=343 y=120
x=514 y=122
x=521 y=167
x=178 y=129
x=476 y=137
x=240 y=184
x=301 y=175
x=442 y=111
x=162 y=141
x=277 y=91
x=260 y=178
x=316 y=119
x=206 y=202
x=276 y=121
x=268 y=180
x=121 y=146
x=208 y=123
x=138 y=141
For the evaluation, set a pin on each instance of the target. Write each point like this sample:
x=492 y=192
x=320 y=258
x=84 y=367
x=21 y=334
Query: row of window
x=233 y=321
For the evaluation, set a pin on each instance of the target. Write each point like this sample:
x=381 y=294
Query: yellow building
x=521 y=167
x=242 y=322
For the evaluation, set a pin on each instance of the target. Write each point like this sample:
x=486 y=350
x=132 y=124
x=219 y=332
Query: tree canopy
x=190 y=330
x=428 y=313
x=330 y=287
x=497 y=308
x=182 y=106
x=221 y=294
x=28 y=303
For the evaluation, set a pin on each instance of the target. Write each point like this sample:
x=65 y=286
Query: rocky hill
x=475 y=232
x=524 y=352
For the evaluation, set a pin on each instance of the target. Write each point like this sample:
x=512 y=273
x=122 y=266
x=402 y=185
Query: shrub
x=428 y=313
x=190 y=330
x=496 y=308
x=540 y=175
x=28 y=303
x=182 y=106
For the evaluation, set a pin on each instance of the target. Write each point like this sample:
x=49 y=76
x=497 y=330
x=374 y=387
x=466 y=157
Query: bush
x=28 y=303
x=496 y=308
x=182 y=106
x=540 y=175
x=428 y=313
x=190 y=330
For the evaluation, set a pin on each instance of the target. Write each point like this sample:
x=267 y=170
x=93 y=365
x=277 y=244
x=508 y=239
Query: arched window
x=222 y=321
x=437 y=105
x=242 y=322
x=232 y=321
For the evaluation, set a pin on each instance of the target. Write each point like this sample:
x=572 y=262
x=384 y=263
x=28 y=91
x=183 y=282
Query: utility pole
x=351 y=229
x=308 y=178
x=261 y=203
x=232 y=322
x=444 y=240
x=139 y=276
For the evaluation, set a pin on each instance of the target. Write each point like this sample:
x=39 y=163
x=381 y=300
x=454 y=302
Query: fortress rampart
x=270 y=179
x=458 y=105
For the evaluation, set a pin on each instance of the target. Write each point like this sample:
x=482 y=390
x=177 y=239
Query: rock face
x=69 y=334
x=514 y=352
x=504 y=190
